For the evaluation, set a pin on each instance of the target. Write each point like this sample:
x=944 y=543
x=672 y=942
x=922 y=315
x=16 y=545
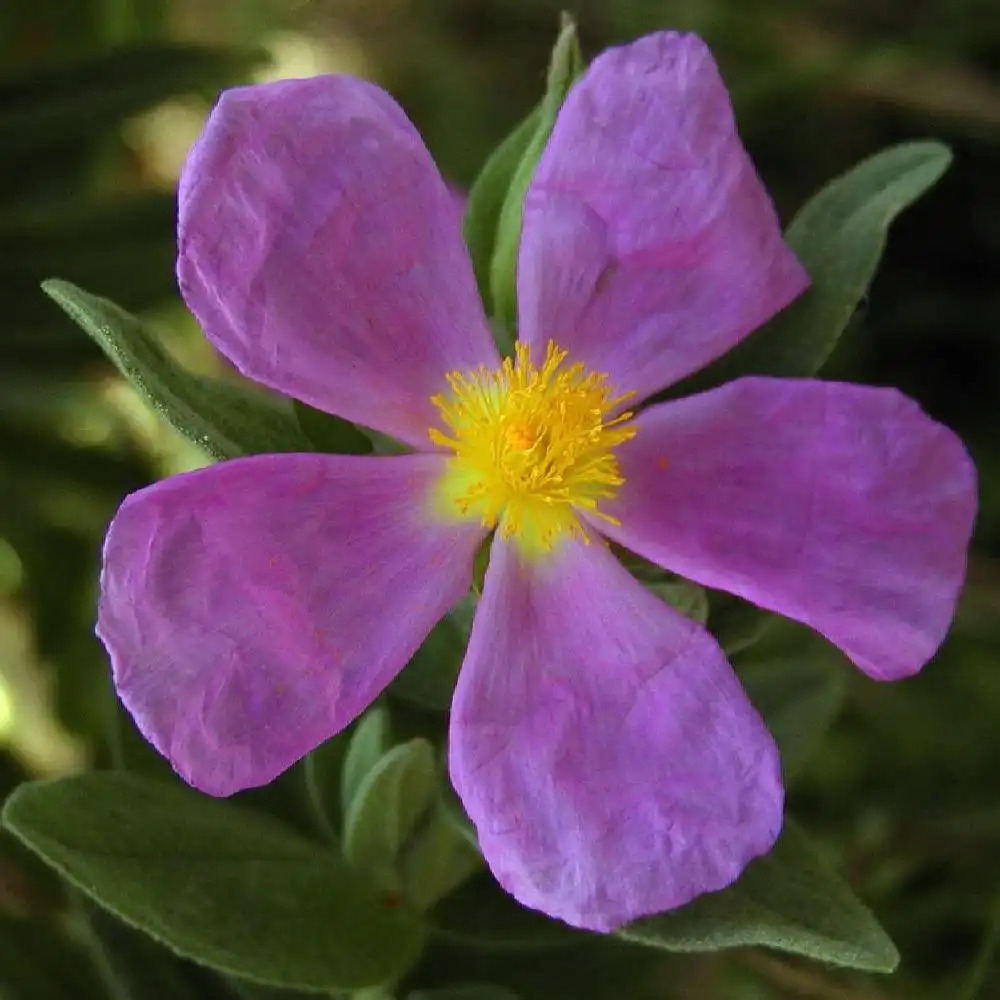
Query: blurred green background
x=99 y=100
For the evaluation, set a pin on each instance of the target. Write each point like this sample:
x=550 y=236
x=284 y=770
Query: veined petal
x=601 y=744
x=649 y=246
x=252 y=609
x=321 y=251
x=842 y=506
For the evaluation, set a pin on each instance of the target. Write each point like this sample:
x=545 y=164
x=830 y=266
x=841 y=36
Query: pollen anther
x=532 y=446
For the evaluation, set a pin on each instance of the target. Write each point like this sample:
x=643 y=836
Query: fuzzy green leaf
x=479 y=914
x=330 y=433
x=217 y=883
x=370 y=740
x=389 y=803
x=686 y=597
x=439 y=860
x=473 y=991
x=224 y=419
x=134 y=966
x=789 y=900
x=322 y=772
x=799 y=698
x=839 y=235
x=430 y=676
x=736 y=624
x=565 y=68
x=486 y=199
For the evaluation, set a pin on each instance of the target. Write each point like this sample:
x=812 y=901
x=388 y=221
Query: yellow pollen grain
x=532 y=446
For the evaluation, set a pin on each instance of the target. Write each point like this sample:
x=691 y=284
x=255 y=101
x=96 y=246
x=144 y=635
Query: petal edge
x=842 y=506
x=675 y=250
x=320 y=249
x=602 y=746
x=253 y=608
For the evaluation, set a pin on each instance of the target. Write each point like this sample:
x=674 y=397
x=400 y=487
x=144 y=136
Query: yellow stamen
x=532 y=445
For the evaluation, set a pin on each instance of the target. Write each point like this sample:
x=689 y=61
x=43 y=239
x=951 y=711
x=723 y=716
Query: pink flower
x=599 y=740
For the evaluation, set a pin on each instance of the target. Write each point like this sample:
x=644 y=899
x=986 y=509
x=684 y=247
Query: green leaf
x=788 y=900
x=486 y=199
x=244 y=990
x=736 y=624
x=217 y=883
x=688 y=598
x=370 y=741
x=430 y=676
x=321 y=772
x=135 y=967
x=839 y=235
x=227 y=420
x=385 y=811
x=479 y=914
x=565 y=68
x=799 y=698
x=330 y=433
x=439 y=860
x=472 y=991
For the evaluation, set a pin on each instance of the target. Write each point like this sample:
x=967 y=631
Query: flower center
x=533 y=444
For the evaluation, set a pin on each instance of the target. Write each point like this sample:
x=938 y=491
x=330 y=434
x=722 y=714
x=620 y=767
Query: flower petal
x=842 y=506
x=650 y=246
x=321 y=251
x=254 y=608
x=601 y=744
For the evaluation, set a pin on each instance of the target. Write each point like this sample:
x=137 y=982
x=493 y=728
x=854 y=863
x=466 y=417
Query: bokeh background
x=99 y=101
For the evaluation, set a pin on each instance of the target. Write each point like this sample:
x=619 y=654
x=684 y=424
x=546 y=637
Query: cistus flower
x=600 y=742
